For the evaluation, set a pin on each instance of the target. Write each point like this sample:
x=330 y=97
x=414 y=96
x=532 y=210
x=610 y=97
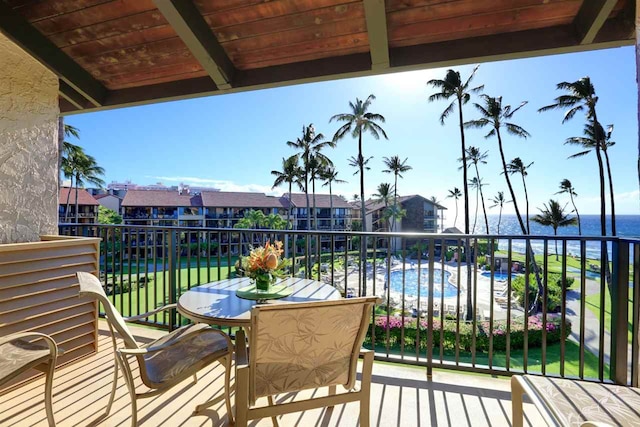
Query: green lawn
x=155 y=293
x=592 y=302
x=534 y=359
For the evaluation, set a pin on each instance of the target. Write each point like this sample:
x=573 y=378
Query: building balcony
x=400 y=395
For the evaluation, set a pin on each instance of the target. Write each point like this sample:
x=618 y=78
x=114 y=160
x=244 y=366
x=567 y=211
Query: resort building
x=87 y=206
x=421 y=215
x=109 y=201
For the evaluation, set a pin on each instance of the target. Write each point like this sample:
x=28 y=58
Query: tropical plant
x=86 y=170
x=499 y=200
x=455 y=194
x=383 y=196
x=477 y=185
x=517 y=166
x=452 y=86
x=567 y=187
x=290 y=174
x=108 y=216
x=475 y=157
x=357 y=121
x=251 y=219
x=554 y=215
x=496 y=116
x=309 y=146
x=589 y=143
x=330 y=175
x=317 y=164
x=397 y=167
x=580 y=96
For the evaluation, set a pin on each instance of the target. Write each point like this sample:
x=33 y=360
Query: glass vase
x=262 y=284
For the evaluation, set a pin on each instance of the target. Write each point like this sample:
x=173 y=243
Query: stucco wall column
x=28 y=147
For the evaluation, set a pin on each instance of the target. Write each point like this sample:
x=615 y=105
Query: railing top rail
x=434 y=236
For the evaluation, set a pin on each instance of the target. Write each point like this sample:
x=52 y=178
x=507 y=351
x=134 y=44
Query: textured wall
x=28 y=147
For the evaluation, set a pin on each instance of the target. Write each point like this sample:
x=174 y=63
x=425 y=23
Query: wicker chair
x=166 y=361
x=18 y=354
x=301 y=346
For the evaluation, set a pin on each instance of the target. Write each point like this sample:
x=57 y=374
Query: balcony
x=567 y=325
x=400 y=395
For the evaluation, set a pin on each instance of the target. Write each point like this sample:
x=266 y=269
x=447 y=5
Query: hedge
x=394 y=326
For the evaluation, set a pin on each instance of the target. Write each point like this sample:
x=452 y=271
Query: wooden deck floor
x=401 y=396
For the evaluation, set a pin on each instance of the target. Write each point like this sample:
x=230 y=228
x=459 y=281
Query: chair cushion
x=18 y=356
x=574 y=402
x=187 y=357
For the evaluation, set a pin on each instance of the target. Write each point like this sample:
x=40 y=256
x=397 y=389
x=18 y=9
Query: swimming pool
x=411 y=283
x=499 y=276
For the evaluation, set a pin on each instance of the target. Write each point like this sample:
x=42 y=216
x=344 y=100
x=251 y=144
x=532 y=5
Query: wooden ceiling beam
x=73 y=97
x=376 y=17
x=191 y=27
x=18 y=30
x=591 y=17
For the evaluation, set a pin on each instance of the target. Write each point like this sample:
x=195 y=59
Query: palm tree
x=455 y=194
x=358 y=121
x=477 y=184
x=581 y=95
x=72 y=156
x=517 y=166
x=500 y=201
x=453 y=87
x=87 y=171
x=475 y=156
x=496 y=115
x=317 y=163
x=589 y=143
x=553 y=215
x=330 y=175
x=397 y=167
x=383 y=196
x=289 y=174
x=567 y=187
x=309 y=145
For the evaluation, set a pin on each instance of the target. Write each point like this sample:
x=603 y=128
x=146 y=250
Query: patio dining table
x=216 y=303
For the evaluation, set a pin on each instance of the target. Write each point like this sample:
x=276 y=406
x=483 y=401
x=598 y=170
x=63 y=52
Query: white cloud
x=220 y=184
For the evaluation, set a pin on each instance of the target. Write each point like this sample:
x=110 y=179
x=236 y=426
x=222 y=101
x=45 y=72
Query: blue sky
x=234 y=141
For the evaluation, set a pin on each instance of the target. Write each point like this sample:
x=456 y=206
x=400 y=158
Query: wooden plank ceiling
x=111 y=53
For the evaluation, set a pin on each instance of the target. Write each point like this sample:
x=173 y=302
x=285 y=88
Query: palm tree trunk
x=499 y=219
x=467 y=249
x=555 y=233
x=475 y=218
x=484 y=209
x=456 y=217
x=289 y=210
x=363 y=239
x=66 y=212
x=576 y=211
x=603 y=209
x=529 y=249
x=306 y=194
x=613 y=204
x=76 y=203
x=60 y=149
x=526 y=200
x=330 y=207
x=315 y=213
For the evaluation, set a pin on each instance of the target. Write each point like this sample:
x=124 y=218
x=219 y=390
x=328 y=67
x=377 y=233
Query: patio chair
x=302 y=346
x=18 y=354
x=166 y=361
x=565 y=402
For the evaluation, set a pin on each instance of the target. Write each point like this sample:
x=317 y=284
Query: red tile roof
x=232 y=199
x=154 y=198
x=84 y=198
x=322 y=201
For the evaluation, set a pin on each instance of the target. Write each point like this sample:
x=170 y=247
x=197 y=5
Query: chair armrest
x=364 y=352
x=150 y=313
x=595 y=424
x=53 y=347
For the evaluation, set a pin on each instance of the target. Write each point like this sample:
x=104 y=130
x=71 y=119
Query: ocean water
x=626 y=226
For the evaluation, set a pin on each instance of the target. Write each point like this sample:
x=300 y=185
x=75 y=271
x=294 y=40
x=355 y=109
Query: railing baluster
x=431 y=285
x=526 y=305
x=619 y=310
x=457 y=310
x=563 y=308
x=583 y=296
x=545 y=299
x=635 y=341
x=509 y=302
x=404 y=276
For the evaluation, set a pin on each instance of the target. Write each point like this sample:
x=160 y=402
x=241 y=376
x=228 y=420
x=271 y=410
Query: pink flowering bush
x=451 y=334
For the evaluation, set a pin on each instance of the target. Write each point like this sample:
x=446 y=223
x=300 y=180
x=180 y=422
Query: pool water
x=411 y=283
x=499 y=276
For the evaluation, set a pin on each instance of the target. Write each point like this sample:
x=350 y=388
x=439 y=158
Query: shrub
x=413 y=335
x=555 y=289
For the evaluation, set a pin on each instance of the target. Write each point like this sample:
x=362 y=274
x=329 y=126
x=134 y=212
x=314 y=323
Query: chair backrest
x=90 y=286
x=300 y=346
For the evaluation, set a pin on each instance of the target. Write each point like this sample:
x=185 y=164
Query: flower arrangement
x=265 y=264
